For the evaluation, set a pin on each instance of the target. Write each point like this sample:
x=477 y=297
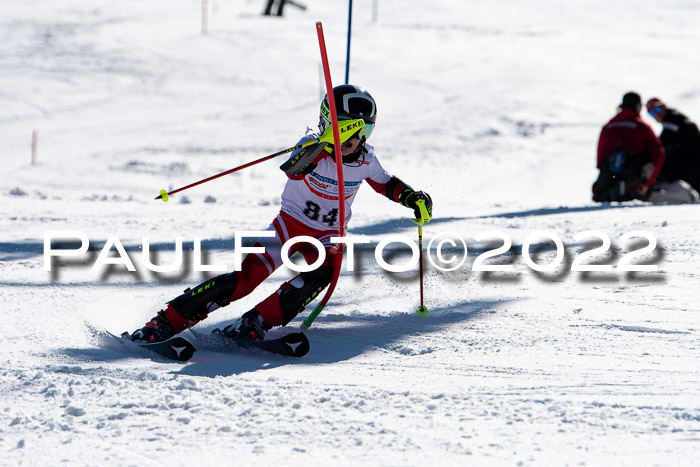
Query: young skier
x=309 y=208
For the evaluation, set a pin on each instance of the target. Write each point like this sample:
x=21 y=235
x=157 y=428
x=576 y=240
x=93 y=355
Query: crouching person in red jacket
x=630 y=155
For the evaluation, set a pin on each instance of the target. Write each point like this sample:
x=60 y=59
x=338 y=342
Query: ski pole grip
x=424 y=216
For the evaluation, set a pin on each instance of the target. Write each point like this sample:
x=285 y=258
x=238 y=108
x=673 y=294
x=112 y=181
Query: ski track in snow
x=494 y=109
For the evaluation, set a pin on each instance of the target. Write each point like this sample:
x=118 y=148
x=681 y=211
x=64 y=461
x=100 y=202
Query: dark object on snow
x=271 y=4
x=280 y=6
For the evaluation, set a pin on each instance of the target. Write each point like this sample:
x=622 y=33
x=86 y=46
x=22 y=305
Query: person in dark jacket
x=630 y=155
x=681 y=140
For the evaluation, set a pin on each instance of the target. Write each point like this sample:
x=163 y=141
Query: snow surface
x=494 y=108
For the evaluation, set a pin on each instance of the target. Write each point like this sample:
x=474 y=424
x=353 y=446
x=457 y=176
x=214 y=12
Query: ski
x=176 y=348
x=295 y=344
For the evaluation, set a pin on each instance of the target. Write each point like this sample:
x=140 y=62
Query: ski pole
x=347 y=128
x=164 y=194
x=422 y=219
x=422 y=311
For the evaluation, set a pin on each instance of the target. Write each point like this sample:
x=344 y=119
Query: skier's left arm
x=399 y=192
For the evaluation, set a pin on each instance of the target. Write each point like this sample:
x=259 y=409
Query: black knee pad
x=198 y=301
x=296 y=296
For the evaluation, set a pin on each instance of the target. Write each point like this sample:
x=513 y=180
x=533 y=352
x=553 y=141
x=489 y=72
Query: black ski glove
x=303 y=162
x=410 y=198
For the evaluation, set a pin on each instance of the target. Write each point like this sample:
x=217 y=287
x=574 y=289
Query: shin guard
x=195 y=304
x=290 y=299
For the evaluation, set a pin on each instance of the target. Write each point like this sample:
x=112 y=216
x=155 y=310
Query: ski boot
x=188 y=309
x=157 y=329
x=250 y=326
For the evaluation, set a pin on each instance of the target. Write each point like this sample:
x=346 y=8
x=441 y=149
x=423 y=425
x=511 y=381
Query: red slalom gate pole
x=341 y=180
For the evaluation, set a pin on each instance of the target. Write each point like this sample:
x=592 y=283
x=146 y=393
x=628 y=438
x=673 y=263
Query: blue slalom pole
x=347 y=57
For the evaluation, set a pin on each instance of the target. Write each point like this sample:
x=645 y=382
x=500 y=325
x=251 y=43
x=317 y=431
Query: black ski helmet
x=351 y=102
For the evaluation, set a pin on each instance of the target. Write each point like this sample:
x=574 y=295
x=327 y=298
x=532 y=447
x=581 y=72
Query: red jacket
x=628 y=132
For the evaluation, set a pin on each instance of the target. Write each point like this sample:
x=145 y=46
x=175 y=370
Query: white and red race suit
x=312 y=198
x=309 y=208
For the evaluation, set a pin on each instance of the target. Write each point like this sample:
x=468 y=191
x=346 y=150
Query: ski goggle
x=656 y=110
x=366 y=130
